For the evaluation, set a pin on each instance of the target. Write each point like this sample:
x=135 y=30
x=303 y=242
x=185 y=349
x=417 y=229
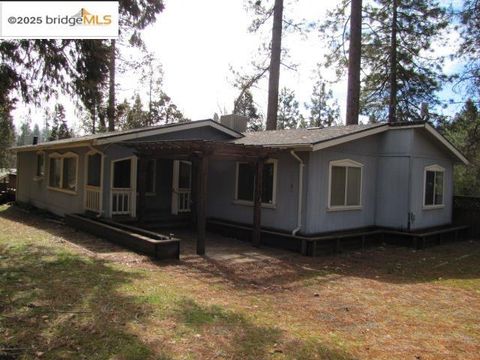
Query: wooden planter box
x=143 y=241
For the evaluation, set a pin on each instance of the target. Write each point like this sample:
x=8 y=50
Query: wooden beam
x=142 y=188
x=201 y=203
x=257 y=203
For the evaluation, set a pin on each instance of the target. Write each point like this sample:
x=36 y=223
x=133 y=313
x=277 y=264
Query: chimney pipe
x=35 y=140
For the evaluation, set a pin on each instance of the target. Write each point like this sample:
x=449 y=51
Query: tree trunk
x=392 y=106
x=94 y=117
x=274 y=75
x=111 y=90
x=354 y=60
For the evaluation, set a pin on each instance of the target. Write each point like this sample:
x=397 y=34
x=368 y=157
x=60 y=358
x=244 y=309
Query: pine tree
x=324 y=110
x=136 y=117
x=40 y=69
x=354 y=63
x=469 y=49
x=25 y=135
x=464 y=132
x=246 y=106
x=303 y=124
x=400 y=72
x=60 y=128
x=288 y=110
x=271 y=55
x=7 y=138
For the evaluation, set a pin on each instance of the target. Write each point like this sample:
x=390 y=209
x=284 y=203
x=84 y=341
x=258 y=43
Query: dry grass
x=65 y=294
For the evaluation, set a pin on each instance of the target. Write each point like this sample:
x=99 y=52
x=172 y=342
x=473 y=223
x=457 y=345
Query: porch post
x=142 y=184
x=201 y=203
x=257 y=202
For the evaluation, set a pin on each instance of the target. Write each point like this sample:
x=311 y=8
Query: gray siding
x=393 y=178
x=392 y=185
x=391 y=192
x=427 y=152
x=319 y=217
x=221 y=195
x=37 y=193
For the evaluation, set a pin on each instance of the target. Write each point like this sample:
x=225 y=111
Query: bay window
x=63 y=172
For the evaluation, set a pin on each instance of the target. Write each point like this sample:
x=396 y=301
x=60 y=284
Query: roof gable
x=318 y=139
x=118 y=136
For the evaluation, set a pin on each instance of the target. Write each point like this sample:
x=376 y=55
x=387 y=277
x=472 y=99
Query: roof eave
x=47 y=146
x=349 y=137
x=166 y=130
x=447 y=144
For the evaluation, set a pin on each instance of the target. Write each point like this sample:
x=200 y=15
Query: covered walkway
x=200 y=153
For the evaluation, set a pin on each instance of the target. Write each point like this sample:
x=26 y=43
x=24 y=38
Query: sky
x=198 y=42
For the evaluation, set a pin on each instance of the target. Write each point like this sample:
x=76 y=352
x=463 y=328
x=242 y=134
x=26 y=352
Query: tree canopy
x=397 y=55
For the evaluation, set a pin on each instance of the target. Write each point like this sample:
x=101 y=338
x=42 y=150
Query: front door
x=181 y=186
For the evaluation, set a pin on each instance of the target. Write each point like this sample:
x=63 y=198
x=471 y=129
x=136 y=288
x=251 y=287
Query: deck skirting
x=341 y=241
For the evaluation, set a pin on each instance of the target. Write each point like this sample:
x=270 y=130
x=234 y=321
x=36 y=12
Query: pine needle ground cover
x=65 y=294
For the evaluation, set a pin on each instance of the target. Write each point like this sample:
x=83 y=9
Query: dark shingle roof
x=301 y=136
x=114 y=134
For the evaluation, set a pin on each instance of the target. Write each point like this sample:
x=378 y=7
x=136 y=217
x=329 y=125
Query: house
x=304 y=182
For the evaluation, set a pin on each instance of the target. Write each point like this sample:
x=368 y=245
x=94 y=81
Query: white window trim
x=39 y=177
x=344 y=163
x=435 y=168
x=85 y=184
x=271 y=205
x=67 y=155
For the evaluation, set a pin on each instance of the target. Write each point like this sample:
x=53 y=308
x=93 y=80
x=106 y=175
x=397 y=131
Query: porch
x=164 y=184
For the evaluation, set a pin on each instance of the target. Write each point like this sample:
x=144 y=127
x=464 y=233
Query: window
x=185 y=175
x=94 y=169
x=245 y=188
x=63 y=172
x=433 y=193
x=40 y=170
x=151 y=178
x=69 y=174
x=345 y=189
x=55 y=172
x=122 y=174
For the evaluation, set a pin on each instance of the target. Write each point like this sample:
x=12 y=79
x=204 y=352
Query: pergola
x=200 y=152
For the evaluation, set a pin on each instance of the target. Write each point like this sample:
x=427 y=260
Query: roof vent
x=235 y=122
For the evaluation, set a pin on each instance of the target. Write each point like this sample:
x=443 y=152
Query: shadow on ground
x=241 y=265
x=55 y=304
x=245 y=340
x=58 y=305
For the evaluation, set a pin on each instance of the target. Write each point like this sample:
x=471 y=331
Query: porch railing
x=121 y=201
x=184 y=200
x=92 y=198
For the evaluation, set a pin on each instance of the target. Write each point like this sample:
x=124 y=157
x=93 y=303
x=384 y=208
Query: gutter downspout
x=301 y=165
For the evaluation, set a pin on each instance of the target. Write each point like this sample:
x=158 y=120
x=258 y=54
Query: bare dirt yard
x=68 y=295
